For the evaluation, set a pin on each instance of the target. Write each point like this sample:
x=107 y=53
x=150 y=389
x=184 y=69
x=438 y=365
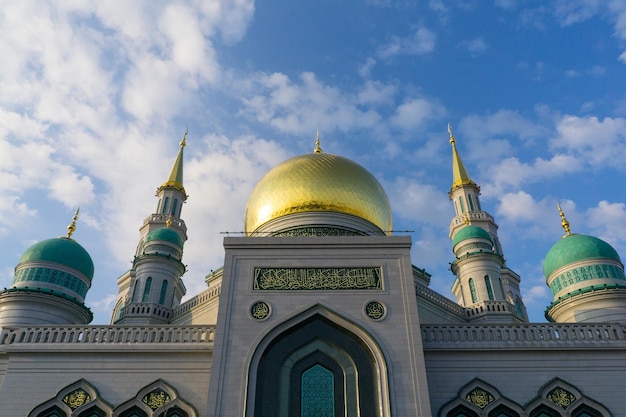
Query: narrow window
x=462 y=203
x=473 y=290
x=518 y=306
x=166 y=203
x=134 y=292
x=174 y=207
x=159 y=205
x=318 y=392
x=489 y=289
x=163 y=292
x=146 y=290
x=471 y=202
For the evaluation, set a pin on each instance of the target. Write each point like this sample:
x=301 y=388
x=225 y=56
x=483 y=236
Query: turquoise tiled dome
x=166 y=234
x=470 y=232
x=61 y=250
x=573 y=248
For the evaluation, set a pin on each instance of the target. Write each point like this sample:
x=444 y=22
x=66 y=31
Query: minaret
x=50 y=284
x=586 y=278
x=153 y=287
x=483 y=283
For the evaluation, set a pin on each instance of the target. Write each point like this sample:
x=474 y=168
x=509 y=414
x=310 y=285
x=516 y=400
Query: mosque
x=318 y=311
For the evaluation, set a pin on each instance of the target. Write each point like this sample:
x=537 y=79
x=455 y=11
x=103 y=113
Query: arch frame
x=379 y=362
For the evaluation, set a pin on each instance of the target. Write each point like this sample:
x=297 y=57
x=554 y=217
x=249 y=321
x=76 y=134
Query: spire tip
x=317 y=149
x=72 y=227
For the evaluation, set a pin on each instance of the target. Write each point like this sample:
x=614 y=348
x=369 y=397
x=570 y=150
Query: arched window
x=319 y=375
x=134 y=412
x=489 y=288
x=462 y=203
x=163 y=292
x=174 y=206
x=146 y=290
x=52 y=412
x=174 y=412
x=471 y=202
x=461 y=411
x=544 y=411
x=118 y=310
x=93 y=412
x=518 y=306
x=503 y=411
x=166 y=203
x=159 y=205
x=473 y=290
x=586 y=411
x=134 y=297
x=317 y=392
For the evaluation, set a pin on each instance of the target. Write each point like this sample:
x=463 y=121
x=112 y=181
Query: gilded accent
x=375 y=310
x=175 y=179
x=156 y=399
x=564 y=222
x=561 y=397
x=480 y=398
x=459 y=173
x=318 y=182
x=317 y=231
x=72 y=227
x=367 y=278
x=260 y=310
x=77 y=398
x=317 y=149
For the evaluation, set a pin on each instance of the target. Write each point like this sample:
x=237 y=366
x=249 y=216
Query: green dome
x=61 y=250
x=573 y=248
x=166 y=234
x=470 y=232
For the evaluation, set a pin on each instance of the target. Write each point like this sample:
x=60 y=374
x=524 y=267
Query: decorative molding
x=363 y=278
x=375 y=310
x=260 y=310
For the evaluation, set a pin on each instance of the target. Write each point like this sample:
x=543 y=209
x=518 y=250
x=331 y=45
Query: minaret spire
x=317 y=149
x=175 y=180
x=564 y=222
x=459 y=173
x=72 y=226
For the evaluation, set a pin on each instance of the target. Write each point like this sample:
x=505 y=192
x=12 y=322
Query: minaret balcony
x=473 y=216
x=491 y=308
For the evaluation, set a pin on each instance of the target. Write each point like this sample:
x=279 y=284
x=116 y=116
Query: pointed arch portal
x=317 y=368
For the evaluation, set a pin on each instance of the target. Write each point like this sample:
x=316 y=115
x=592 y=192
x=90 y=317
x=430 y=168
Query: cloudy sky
x=94 y=97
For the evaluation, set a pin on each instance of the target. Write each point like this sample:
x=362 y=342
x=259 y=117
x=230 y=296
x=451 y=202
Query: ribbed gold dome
x=318 y=182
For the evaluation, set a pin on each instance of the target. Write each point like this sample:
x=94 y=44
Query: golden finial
x=72 y=227
x=183 y=141
x=564 y=222
x=168 y=222
x=452 y=140
x=317 y=143
x=467 y=219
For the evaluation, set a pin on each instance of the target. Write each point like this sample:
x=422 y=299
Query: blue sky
x=94 y=97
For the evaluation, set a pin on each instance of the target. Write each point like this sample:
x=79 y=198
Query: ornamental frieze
x=365 y=278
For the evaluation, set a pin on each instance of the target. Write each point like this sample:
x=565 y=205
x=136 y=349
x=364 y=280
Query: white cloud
x=502 y=122
x=534 y=294
x=421 y=43
x=308 y=104
x=622 y=57
x=608 y=221
x=591 y=140
x=569 y=12
x=415 y=112
x=474 y=46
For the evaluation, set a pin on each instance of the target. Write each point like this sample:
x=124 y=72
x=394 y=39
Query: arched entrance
x=317 y=368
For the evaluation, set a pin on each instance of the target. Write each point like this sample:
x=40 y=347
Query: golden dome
x=318 y=182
